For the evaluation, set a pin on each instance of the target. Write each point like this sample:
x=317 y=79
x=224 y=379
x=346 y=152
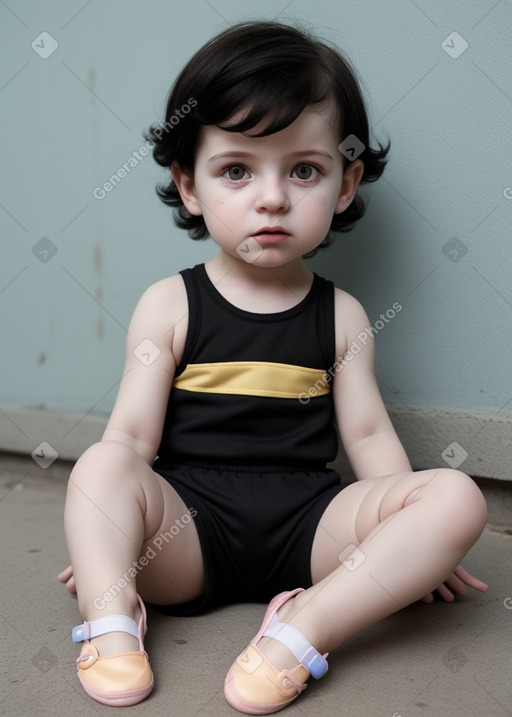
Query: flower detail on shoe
x=288 y=685
x=89 y=654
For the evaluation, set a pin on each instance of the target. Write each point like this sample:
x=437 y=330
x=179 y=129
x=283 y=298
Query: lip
x=271 y=235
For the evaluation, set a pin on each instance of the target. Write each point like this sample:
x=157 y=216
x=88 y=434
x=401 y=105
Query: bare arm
x=154 y=345
x=160 y=321
x=368 y=436
x=370 y=441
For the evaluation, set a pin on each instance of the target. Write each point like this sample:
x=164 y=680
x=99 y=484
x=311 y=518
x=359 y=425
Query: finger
x=428 y=599
x=445 y=593
x=71 y=586
x=456 y=584
x=65 y=575
x=471 y=581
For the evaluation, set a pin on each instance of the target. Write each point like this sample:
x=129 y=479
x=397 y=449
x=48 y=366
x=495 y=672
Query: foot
x=292 y=613
x=117 y=643
x=113 y=667
x=267 y=676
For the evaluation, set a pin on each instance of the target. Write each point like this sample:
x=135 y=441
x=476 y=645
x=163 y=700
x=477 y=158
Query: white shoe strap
x=295 y=641
x=110 y=623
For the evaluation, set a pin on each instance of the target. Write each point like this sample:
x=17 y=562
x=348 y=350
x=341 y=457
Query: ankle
x=122 y=605
x=116 y=642
x=300 y=613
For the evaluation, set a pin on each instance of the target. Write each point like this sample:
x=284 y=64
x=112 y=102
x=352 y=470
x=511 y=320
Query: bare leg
x=407 y=531
x=116 y=506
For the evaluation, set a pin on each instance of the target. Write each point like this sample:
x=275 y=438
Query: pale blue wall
x=71 y=120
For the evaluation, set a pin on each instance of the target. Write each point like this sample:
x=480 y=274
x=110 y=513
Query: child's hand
x=456 y=584
x=66 y=576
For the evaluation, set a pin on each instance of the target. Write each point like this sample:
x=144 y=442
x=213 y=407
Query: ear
x=185 y=184
x=352 y=175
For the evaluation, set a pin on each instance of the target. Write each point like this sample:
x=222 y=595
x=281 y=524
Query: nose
x=272 y=195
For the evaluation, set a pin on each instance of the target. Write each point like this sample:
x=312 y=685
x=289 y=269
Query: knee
x=105 y=462
x=466 y=503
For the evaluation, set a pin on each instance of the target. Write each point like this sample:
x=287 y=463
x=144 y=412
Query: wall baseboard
x=477 y=443
x=480 y=444
x=23 y=430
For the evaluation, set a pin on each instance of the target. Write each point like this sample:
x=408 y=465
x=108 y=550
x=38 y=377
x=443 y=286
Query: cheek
x=319 y=211
x=219 y=204
x=220 y=216
x=212 y=196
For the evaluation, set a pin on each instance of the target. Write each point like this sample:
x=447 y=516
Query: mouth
x=271 y=235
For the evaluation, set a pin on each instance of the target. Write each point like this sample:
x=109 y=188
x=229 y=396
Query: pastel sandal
x=254 y=685
x=116 y=680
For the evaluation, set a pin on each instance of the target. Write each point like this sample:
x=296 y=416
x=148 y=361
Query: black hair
x=274 y=71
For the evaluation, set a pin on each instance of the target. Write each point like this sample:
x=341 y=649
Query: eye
x=305 y=172
x=235 y=172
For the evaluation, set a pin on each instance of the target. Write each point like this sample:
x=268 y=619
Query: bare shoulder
x=162 y=301
x=350 y=319
x=172 y=288
x=348 y=306
x=161 y=315
x=152 y=354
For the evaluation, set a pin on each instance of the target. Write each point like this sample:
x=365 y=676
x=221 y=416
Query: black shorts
x=256 y=529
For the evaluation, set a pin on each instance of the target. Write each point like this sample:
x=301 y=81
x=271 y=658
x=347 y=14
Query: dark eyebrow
x=240 y=153
x=308 y=152
x=230 y=153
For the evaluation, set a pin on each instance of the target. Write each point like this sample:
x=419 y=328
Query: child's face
x=292 y=179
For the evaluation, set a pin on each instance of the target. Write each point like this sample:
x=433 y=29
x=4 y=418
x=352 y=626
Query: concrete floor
x=440 y=660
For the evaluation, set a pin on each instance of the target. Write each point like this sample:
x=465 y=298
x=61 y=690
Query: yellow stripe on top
x=253 y=378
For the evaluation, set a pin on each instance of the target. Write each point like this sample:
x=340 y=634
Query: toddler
x=210 y=484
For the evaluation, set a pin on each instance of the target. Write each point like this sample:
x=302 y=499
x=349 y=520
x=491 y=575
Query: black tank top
x=252 y=390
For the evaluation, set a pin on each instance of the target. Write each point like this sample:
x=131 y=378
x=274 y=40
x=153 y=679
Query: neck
x=259 y=289
x=292 y=274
